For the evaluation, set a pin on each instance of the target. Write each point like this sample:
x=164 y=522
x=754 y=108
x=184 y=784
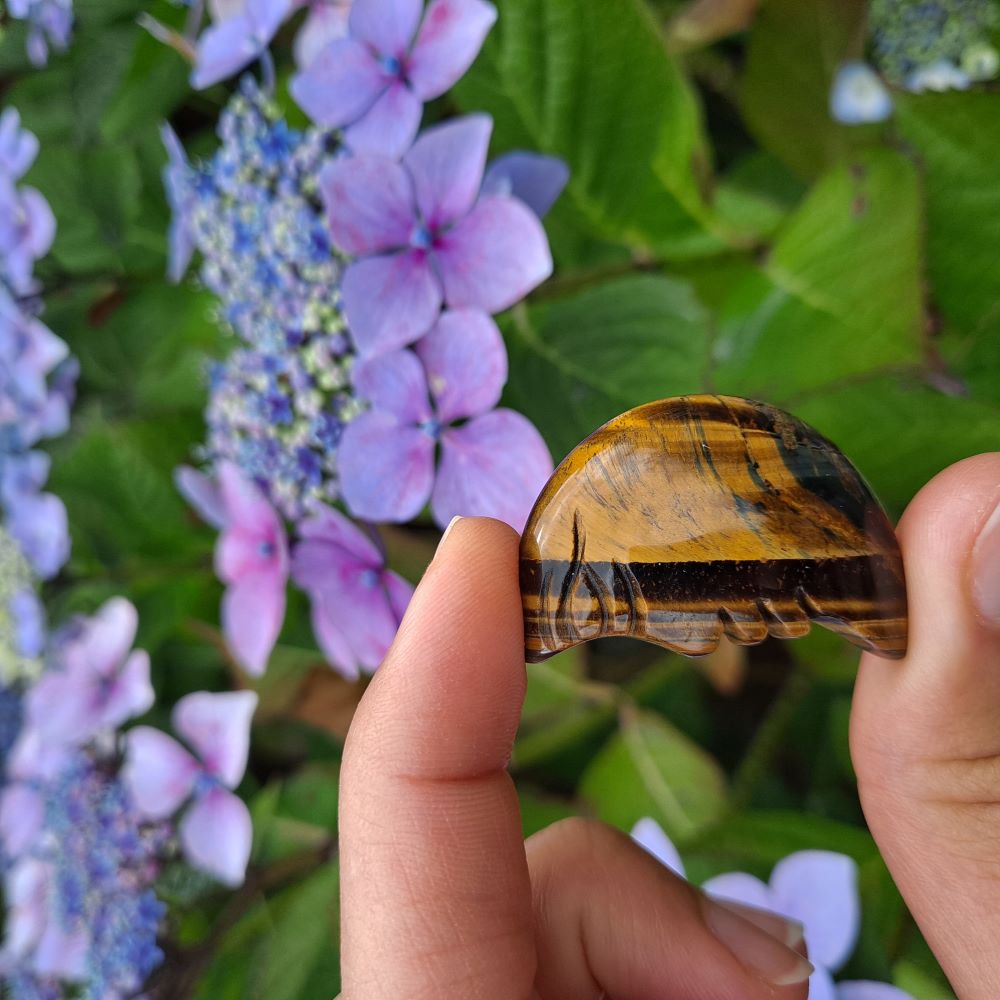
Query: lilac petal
x=38 y=524
x=253 y=611
x=267 y=16
x=388 y=26
x=22 y=812
x=159 y=773
x=18 y=147
x=357 y=609
x=217 y=834
x=386 y=470
x=222 y=10
x=26 y=887
x=61 y=953
x=399 y=592
x=369 y=204
x=325 y=23
x=223 y=49
x=820 y=890
x=466 y=364
x=40 y=229
x=34 y=758
x=328 y=525
x=245 y=505
x=450 y=37
x=202 y=494
x=28 y=614
x=333 y=642
x=740 y=888
x=533 y=178
x=863 y=990
x=62 y=706
x=390 y=301
x=821 y=985
x=447 y=164
x=389 y=127
x=340 y=85
x=649 y=835
x=218 y=727
x=494 y=257
x=107 y=638
x=395 y=383
x=131 y=694
x=493 y=466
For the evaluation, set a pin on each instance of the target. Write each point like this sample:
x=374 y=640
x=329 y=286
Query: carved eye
x=694 y=516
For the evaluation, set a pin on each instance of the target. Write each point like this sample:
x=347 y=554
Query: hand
x=442 y=899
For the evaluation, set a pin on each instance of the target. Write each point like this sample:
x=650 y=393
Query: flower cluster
x=818 y=889
x=360 y=268
x=50 y=23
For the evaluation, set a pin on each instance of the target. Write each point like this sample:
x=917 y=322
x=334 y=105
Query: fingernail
x=447 y=532
x=754 y=947
x=790 y=932
x=986 y=569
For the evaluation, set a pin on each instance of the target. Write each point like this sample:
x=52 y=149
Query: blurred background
x=740 y=218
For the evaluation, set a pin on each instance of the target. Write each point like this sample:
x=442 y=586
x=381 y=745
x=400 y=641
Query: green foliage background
x=720 y=233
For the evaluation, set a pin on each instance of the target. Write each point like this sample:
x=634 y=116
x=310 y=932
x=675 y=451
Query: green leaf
x=955 y=137
x=652 y=769
x=539 y=811
x=579 y=361
x=841 y=293
x=593 y=84
x=795 y=48
x=919 y=984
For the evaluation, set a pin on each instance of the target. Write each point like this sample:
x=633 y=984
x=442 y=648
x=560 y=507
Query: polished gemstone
x=692 y=517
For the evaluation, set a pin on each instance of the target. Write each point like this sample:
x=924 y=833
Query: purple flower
x=426 y=237
x=27 y=228
x=216 y=831
x=357 y=602
x=327 y=21
x=493 y=464
x=533 y=178
x=37 y=522
x=50 y=24
x=101 y=682
x=18 y=147
x=237 y=39
x=373 y=82
x=251 y=557
x=177 y=176
x=818 y=889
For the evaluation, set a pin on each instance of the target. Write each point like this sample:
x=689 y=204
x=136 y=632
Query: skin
x=442 y=898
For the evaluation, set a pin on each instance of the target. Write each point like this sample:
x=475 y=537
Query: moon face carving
x=698 y=516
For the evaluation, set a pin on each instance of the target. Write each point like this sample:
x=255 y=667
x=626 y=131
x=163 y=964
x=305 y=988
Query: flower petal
x=245 y=505
x=61 y=953
x=493 y=466
x=399 y=591
x=106 y=638
x=863 y=990
x=820 y=889
x=218 y=727
x=332 y=641
x=202 y=494
x=389 y=127
x=223 y=49
x=131 y=694
x=369 y=204
x=450 y=37
x=159 y=773
x=327 y=524
x=38 y=524
x=340 y=84
x=740 y=888
x=466 y=364
x=386 y=470
x=533 y=178
x=267 y=16
x=325 y=23
x=821 y=985
x=390 y=301
x=22 y=812
x=356 y=607
x=859 y=95
x=447 y=164
x=395 y=383
x=649 y=835
x=493 y=257
x=388 y=26
x=253 y=611
x=217 y=835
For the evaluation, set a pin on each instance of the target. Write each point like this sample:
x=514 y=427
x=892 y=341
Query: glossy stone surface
x=694 y=516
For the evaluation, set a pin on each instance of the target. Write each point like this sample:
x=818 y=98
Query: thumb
x=925 y=732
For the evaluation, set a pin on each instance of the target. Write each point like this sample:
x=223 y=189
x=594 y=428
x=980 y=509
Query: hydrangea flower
x=177 y=175
x=35 y=520
x=238 y=37
x=938 y=76
x=326 y=21
x=51 y=22
x=859 y=96
x=27 y=228
x=492 y=462
x=357 y=602
x=18 y=146
x=373 y=83
x=533 y=178
x=425 y=236
x=819 y=889
x=216 y=831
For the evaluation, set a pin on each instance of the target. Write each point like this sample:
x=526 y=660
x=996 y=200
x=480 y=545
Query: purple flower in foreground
x=100 y=681
x=533 y=178
x=18 y=147
x=237 y=39
x=357 y=602
x=816 y=888
x=216 y=831
x=373 y=82
x=27 y=228
x=327 y=21
x=177 y=180
x=493 y=465
x=427 y=237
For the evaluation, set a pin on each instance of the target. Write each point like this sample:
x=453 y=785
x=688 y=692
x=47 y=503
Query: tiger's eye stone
x=701 y=515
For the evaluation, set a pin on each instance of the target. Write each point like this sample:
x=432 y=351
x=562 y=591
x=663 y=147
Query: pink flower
x=216 y=831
